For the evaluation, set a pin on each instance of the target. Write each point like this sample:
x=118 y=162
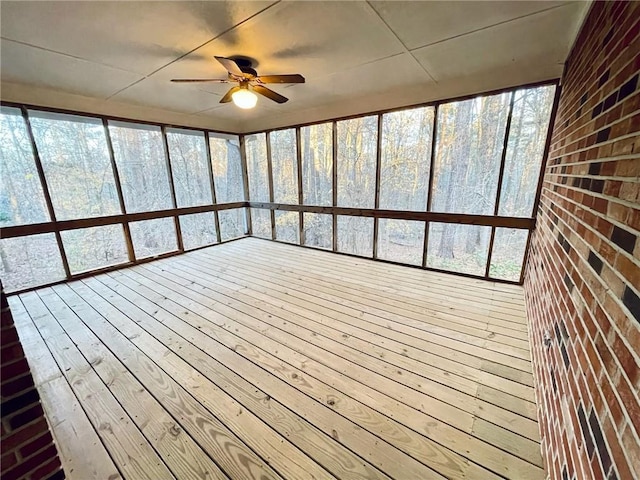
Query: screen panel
x=355 y=235
x=21 y=193
x=191 y=180
x=507 y=257
x=261 y=222
x=232 y=223
x=95 y=247
x=257 y=167
x=287 y=226
x=458 y=248
x=76 y=163
x=468 y=153
x=153 y=237
x=318 y=229
x=401 y=240
x=527 y=137
x=405 y=159
x=317 y=164
x=198 y=230
x=285 y=166
x=30 y=261
x=356 y=162
x=142 y=166
x=227 y=168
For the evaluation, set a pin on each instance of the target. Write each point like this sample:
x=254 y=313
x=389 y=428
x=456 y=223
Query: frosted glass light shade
x=244 y=98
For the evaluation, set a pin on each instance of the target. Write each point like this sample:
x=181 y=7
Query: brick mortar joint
x=615 y=158
x=625 y=412
x=584 y=149
x=607 y=287
x=598 y=234
x=572 y=128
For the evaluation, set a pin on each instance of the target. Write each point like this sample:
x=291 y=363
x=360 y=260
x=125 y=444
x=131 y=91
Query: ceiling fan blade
x=227 y=96
x=294 y=78
x=194 y=80
x=270 y=94
x=231 y=66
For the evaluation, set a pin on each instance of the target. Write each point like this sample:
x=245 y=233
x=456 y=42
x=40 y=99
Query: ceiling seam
x=196 y=48
x=470 y=32
x=75 y=57
x=353 y=67
x=401 y=42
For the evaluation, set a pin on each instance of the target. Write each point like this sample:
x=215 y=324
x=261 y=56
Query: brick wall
x=28 y=450
x=582 y=280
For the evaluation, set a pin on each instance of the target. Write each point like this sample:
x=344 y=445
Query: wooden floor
x=255 y=359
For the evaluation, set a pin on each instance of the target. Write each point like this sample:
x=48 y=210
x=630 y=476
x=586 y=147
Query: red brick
x=596 y=468
x=46 y=470
x=30 y=464
x=17 y=385
x=603 y=335
x=11 y=353
x=18 y=437
x=615 y=447
x=36 y=445
x=629 y=403
x=27 y=447
x=14 y=369
x=9 y=336
x=8 y=460
x=628 y=168
x=26 y=416
x=6 y=319
x=613 y=404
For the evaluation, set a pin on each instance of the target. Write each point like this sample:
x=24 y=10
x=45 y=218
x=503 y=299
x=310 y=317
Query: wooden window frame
x=494 y=221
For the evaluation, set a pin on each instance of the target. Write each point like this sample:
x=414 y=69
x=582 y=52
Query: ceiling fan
x=240 y=70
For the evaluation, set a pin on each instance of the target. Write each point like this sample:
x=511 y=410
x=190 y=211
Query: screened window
x=75 y=158
x=405 y=159
x=21 y=195
x=527 y=138
x=357 y=144
x=285 y=166
x=458 y=248
x=355 y=235
x=257 y=167
x=153 y=237
x=142 y=166
x=317 y=164
x=30 y=261
x=96 y=247
x=401 y=241
x=509 y=246
x=189 y=166
x=317 y=230
x=261 y=222
x=198 y=230
x=227 y=168
x=287 y=226
x=232 y=223
x=468 y=152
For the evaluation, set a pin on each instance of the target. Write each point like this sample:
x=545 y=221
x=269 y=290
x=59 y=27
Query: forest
x=74 y=153
x=440 y=159
x=469 y=145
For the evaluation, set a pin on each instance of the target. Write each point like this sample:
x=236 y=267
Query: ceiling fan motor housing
x=245 y=64
x=241 y=70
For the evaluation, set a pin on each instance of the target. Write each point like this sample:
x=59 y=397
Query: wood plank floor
x=259 y=360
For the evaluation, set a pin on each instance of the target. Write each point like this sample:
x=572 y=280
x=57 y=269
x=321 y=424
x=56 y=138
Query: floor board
x=259 y=360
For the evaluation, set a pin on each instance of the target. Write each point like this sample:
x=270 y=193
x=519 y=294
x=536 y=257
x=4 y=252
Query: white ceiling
x=116 y=58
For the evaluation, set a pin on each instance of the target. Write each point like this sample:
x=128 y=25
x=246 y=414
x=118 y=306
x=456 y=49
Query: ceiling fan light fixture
x=244 y=98
x=249 y=83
